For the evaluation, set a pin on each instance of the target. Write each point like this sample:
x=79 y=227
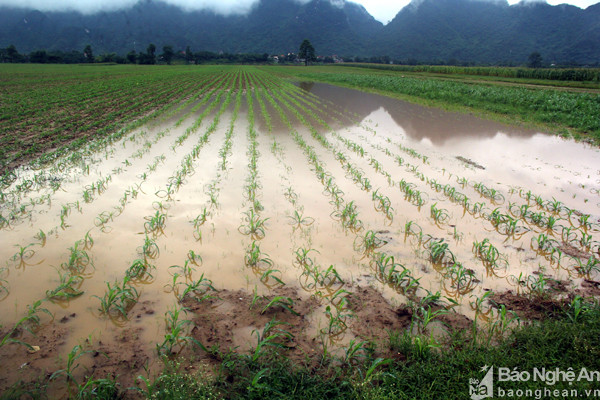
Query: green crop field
x=234 y=232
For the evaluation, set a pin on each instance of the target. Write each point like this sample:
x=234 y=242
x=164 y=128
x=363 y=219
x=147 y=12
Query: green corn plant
x=199 y=288
x=579 y=308
x=297 y=219
x=67 y=289
x=368 y=243
x=462 y=279
x=355 y=351
x=175 y=336
x=439 y=215
x=200 y=218
x=269 y=274
x=149 y=248
x=88 y=241
x=156 y=223
x=271 y=336
x=303 y=258
x=74 y=355
x=140 y=270
x=78 y=260
x=24 y=253
x=253 y=225
x=254 y=257
x=503 y=322
x=411 y=228
x=280 y=301
x=41 y=236
x=194 y=257
x=118 y=298
x=477 y=305
x=439 y=252
x=423 y=316
x=488 y=254
x=591 y=265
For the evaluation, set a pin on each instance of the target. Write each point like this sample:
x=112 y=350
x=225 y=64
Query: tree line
x=10 y=54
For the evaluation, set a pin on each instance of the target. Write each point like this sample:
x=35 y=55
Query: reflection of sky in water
x=545 y=164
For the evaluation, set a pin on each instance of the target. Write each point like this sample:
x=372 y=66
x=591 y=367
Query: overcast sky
x=383 y=10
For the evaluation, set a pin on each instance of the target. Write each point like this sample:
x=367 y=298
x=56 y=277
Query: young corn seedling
x=269 y=274
x=194 y=257
x=255 y=258
x=118 y=298
x=139 y=271
x=68 y=372
x=591 y=265
x=297 y=219
x=270 y=336
x=439 y=252
x=356 y=351
x=579 y=307
x=253 y=225
x=67 y=289
x=175 y=336
x=337 y=317
x=439 y=215
x=200 y=218
x=424 y=315
x=411 y=228
x=199 y=288
x=24 y=253
x=41 y=236
x=78 y=260
x=368 y=243
x=156 y=223
x=488 y=254
x=504 y=320
x=462 y=279
x=280 y=301
x=349 y=217
x=303 y=258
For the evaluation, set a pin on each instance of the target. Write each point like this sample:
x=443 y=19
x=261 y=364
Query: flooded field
x=258 y=204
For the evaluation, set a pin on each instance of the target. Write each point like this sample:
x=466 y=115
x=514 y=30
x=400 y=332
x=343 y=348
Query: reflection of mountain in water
x=417 y=121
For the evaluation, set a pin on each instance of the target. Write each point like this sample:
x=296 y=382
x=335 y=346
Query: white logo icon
x=485 y=388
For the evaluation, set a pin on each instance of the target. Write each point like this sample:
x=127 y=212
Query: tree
x=307 y=52
x=88 y=54
x=149 y=57
x=189 y=56
x=151 y=53
x=535 y=60
x=167 y=54
x=38 y=57
x=131 y=57
x=12 y=54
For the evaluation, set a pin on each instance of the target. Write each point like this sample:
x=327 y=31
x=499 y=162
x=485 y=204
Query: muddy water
x=428 y=141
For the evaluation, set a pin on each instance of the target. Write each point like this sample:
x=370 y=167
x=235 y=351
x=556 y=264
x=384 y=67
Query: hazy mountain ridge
x=425 y=30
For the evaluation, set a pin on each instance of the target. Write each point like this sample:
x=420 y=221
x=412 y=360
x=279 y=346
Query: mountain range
x=481 y=31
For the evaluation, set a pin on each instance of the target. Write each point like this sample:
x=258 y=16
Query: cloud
x=225 y=7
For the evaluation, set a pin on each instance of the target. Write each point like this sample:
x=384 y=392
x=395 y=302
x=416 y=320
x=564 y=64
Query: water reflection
x=417 y=122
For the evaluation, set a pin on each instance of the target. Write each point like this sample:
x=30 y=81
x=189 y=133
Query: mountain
x=483 y=31
x=491 y=31
x=272 y=26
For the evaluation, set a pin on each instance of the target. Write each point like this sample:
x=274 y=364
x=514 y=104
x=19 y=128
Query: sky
x=382 y=10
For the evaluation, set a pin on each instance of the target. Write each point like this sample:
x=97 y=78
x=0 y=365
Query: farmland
x=218 y=217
